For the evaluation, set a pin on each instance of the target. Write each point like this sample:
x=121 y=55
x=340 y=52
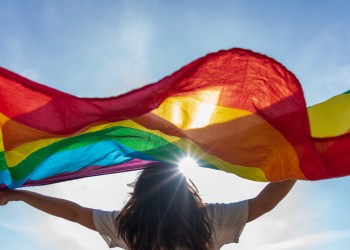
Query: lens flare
x=187 y=165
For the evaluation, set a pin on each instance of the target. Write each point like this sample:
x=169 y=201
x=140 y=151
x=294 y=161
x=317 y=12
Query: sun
x=187 y=165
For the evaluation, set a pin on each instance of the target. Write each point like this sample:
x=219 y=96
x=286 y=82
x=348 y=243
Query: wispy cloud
x=57 y=234
x=14 y=227
x=307 y=241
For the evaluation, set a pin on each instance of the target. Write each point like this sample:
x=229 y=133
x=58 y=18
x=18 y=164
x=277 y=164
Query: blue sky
x=104 y=48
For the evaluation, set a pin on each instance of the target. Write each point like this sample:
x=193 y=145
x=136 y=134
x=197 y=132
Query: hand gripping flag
x=235 y=110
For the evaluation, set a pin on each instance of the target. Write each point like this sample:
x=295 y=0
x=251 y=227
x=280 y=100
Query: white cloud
x=307 y=241
x=57 y=234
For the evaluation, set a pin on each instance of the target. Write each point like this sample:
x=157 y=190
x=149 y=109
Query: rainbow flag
x=235 y=110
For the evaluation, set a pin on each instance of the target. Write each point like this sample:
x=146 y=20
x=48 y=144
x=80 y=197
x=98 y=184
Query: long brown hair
x=164 y=211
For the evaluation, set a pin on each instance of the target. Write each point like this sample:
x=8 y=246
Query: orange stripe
x=16 y=134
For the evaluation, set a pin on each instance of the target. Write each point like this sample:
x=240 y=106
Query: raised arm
x=58 y=207
x=268 y=198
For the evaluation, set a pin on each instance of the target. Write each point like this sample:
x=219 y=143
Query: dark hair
x=164 y=211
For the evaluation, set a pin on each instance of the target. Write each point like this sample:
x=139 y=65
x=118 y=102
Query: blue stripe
x=5 y=177
x=104 y=153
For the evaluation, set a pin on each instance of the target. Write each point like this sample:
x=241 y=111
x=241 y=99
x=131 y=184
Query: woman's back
x=164 y=212
x=227 y=223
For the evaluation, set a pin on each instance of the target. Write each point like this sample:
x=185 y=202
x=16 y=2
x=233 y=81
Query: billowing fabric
x=235 y=110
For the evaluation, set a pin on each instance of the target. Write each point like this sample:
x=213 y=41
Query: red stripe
x=334 y=153
x=231 y=71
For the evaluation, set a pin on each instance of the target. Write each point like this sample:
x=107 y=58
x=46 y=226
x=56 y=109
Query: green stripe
x=347 y=92
x=3 y=163
x=138 y=140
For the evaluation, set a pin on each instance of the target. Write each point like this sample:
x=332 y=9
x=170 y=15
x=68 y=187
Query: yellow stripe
x=3 y=120
x=330 y=118
x=190 y=112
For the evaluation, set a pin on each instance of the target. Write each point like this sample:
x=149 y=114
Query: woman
x=164 y=211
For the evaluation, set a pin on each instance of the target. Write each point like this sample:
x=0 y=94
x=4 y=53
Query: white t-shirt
x=227 y=220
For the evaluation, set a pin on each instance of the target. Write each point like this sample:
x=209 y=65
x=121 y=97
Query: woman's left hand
x=4 y=197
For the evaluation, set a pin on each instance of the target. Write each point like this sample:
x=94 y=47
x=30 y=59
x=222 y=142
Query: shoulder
x=104 y=220
x=101 y=216
x=105 y=224
x=227 y=221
